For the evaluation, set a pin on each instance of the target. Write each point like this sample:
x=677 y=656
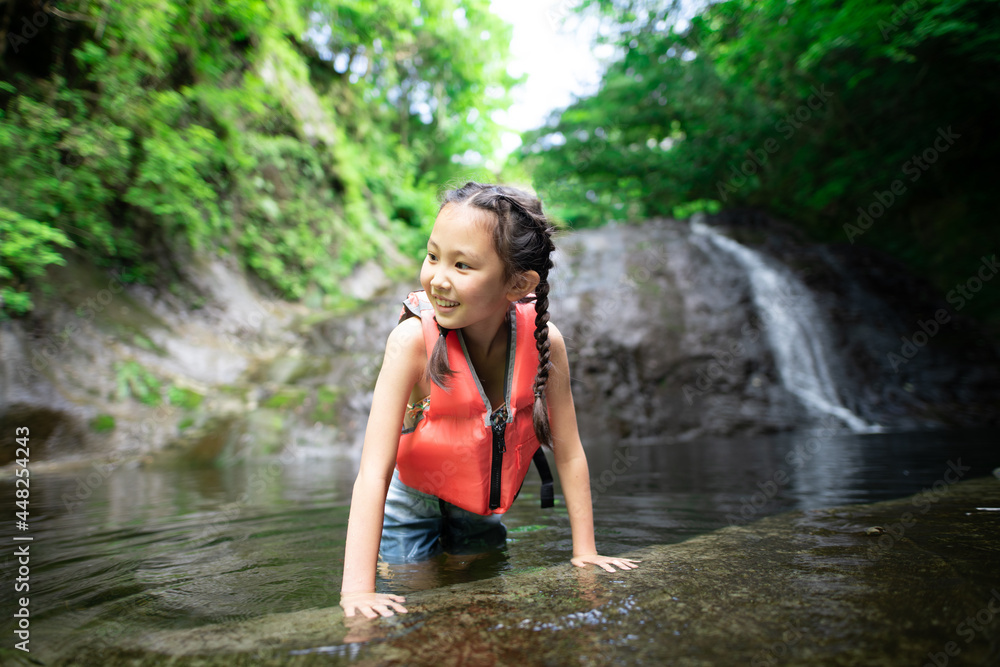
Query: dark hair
x=522 y=238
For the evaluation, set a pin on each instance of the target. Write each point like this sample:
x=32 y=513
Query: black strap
x=548 y=491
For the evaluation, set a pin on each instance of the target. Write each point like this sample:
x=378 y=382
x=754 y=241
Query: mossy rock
x=325 y=406
x=286 y=398
x=102 y=423
x=804 y=588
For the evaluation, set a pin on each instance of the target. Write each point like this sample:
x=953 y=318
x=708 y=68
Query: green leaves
x=301 y=136
x=26 y=248
x=802 y=108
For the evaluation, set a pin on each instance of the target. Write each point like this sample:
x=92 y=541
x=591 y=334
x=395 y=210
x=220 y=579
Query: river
x=173 y=548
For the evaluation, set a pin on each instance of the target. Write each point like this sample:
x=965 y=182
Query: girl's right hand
x=372 y=604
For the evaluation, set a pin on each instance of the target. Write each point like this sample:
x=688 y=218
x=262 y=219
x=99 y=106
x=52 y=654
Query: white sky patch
x=556 y=48
x=558 y=56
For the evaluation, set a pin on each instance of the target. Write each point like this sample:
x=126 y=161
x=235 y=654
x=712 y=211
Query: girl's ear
x=522 y=285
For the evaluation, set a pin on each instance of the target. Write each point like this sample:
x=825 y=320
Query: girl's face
x=462 y=273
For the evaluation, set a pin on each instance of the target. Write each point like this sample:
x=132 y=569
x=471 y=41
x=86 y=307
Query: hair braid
x=540 y=412
x=437 y=365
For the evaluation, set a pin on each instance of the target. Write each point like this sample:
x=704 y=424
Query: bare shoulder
x=557 y=344
x=405 y=345
x=408 y=332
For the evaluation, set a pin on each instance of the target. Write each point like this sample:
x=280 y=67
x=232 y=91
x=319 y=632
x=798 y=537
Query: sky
x=555 y=49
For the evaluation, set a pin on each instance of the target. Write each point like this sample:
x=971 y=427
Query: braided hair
x=522 y=238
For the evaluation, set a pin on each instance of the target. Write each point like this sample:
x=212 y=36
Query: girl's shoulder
x=405 y=352
x=407 y=336
x=557 y=348
x=554 y=333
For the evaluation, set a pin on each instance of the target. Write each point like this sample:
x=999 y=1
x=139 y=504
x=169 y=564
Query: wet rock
x=805 y=588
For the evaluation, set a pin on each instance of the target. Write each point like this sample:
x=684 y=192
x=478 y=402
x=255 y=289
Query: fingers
x=385 y=610
x=374 y=610
x=626 y=563
x=607 y=564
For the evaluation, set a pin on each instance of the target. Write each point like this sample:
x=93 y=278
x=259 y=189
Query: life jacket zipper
x=498 y=424
x=497 y=420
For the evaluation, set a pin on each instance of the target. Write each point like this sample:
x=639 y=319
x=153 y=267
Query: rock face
x=805 y=588
x=675 y=330
x=108 y=368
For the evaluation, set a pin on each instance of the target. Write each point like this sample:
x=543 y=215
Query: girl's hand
x=372 y=604
x=605 y=562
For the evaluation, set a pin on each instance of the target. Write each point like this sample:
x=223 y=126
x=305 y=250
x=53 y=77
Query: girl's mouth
x=445 y=303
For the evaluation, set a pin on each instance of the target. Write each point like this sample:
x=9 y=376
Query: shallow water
x=158 y=549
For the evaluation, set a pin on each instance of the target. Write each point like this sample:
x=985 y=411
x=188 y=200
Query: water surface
x=156 y=549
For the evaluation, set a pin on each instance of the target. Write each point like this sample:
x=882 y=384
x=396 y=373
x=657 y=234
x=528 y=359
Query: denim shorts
x=419 y=526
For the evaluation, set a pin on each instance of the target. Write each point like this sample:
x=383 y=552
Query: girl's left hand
x=605 y=562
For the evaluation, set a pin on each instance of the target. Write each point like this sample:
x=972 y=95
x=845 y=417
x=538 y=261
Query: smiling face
x=462 y=273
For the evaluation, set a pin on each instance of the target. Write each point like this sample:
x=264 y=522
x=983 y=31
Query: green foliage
x=286 y=397
x=187 y=399
x=326 y=405
x=136 y=382
x=806 y=109
x=102 y=423
x=26 y=248
x=300 y=136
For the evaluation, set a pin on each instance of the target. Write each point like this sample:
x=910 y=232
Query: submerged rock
x=804 y=588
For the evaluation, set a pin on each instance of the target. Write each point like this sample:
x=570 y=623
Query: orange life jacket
x=464 y=450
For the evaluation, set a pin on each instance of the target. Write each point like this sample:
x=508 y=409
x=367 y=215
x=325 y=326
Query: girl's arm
x=402 y=366
x=571 y=462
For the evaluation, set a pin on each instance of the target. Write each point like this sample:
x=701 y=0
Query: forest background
x=302 y=138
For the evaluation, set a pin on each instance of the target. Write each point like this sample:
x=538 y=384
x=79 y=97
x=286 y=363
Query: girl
x=478 y=337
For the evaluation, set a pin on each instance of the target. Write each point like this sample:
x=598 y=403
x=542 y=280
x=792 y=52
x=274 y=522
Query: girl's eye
x=431 y=256
x=463 y=265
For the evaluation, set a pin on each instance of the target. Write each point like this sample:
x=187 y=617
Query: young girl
x=478 y=378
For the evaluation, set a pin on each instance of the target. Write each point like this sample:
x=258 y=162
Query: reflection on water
x=156 y=549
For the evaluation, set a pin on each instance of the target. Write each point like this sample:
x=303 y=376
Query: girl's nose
x=440 y=280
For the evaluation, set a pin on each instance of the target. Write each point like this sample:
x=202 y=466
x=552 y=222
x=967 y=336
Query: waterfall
x=796 y=329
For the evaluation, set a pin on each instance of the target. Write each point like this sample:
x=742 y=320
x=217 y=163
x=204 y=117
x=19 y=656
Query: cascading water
x=795 y=330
